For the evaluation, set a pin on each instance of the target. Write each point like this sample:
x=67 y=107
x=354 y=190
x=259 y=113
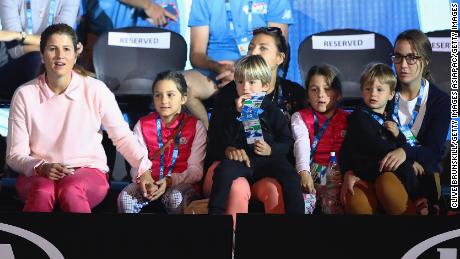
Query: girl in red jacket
x=176 y=145
x=319 y=129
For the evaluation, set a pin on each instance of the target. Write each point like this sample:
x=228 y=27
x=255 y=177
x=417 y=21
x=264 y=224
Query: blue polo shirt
x=112 y=14
x=222 y=44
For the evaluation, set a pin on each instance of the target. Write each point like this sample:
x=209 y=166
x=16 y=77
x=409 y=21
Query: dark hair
x=378 y=71
x=63 y=29
x=280 y=43
x=174 y=76
x=330 y=73
x=420 y=42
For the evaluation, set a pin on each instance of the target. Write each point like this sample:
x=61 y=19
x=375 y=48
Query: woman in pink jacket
x=55 y=131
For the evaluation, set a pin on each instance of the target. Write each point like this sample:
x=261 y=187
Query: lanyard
x=414 y=112
x=160 y=146
x=318 y=134
x=228 y=11
x=376 y=117
x=406 y=129
x=52 y=10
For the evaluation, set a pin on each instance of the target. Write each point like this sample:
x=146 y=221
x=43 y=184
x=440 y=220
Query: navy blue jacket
x=433 y=132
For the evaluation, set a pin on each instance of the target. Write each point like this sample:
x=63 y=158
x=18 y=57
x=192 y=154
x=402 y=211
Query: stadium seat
x=128 y=64
x=347 y=49
x=131 y=70
x=440 y=59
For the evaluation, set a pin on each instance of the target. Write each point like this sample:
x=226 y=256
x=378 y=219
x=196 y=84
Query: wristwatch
x=23 y=36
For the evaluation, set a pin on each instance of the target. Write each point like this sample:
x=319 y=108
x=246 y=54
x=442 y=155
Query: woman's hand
x=162 y=185
x=418 y=168
x=392 y=127
x=225 y=72
x=237 y=155
x=306 y=182
x=147 y=185
x=349 y=181
x=54 y=171
x=262 y=148
x=392 y=160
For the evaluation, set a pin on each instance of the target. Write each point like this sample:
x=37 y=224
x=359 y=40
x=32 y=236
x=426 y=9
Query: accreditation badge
x=410 y=138
x=243 y=44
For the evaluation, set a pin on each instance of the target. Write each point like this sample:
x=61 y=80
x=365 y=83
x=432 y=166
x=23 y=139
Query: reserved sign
x=344 y=42
x=160 y=40
x=440 y=44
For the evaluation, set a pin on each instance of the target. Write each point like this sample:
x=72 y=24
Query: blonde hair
x=253 y=67
x=378 y=71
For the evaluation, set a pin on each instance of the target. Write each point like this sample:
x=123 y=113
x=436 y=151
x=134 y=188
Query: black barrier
x=60 y=235
x=284 y=236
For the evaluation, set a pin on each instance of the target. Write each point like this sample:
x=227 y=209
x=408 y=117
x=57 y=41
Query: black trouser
x=417 y=186
x=17 y=72
x=278 y=168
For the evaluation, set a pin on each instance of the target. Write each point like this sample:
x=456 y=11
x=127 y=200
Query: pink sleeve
x=18 y=150
x=120 y=134
x=301 y=143
x=138 y=133
x=194 y=171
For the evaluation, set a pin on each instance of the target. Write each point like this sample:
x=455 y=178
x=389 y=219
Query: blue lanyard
x=228 y=11
x=52 y=10
x=414 y=112
x=162 y=155
x=376 y=117
x=318 y=134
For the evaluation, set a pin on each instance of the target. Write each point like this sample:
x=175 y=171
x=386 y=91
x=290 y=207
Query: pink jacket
x=67 y=128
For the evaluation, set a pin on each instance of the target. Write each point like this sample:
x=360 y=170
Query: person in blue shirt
x=104 y=15
x=99 y=16
x=22 y=22
x=220 y=34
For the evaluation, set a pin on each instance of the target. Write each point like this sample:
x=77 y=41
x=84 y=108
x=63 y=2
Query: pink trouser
x=79 y=192
x=267 y=190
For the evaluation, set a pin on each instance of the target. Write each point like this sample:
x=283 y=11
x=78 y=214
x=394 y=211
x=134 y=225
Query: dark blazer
x=433 y=132
x=366 y=143
x=275 y=131
x=294 y=99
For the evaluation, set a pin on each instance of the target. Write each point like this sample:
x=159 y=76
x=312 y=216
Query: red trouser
x=79 y=192
x=267 y=190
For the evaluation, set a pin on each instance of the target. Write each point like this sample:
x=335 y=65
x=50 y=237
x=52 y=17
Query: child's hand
x=147 y=185
x=418 y=168
x=161 y=188
x=262 y=148
x=392 y=127
x=239 y=101
x=306 y=182
x=237 y=155
x=349 y=181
